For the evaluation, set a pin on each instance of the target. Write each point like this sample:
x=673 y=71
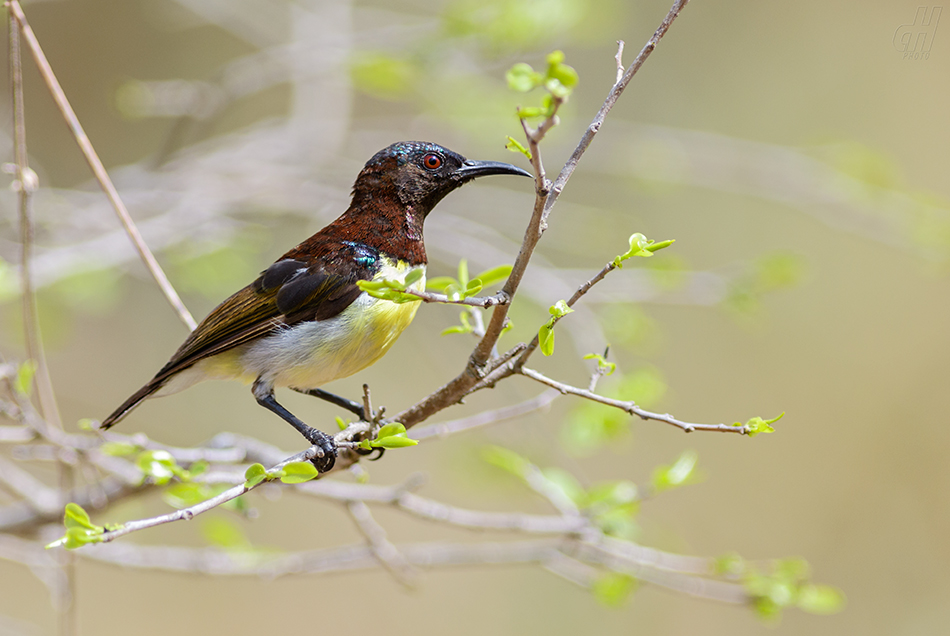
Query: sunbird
x=304 y=322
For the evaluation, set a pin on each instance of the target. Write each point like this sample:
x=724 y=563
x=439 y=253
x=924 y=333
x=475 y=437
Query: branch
x=631 y=407
x=501 y=298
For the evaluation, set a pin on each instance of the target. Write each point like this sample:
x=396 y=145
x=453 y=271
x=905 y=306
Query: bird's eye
x=432 y=161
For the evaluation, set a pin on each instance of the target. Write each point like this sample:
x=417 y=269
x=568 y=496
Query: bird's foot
x=327 y=446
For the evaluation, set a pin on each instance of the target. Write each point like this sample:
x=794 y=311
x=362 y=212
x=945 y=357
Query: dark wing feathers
x=286 y=293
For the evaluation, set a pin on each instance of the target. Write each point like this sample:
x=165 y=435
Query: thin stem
x=631 y=407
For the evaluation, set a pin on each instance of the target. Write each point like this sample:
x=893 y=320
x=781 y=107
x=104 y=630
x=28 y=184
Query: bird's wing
x=286 y=293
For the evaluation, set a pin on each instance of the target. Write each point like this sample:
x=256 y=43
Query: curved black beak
x=472 y=169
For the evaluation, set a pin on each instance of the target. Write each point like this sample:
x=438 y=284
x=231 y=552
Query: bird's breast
x=310 y=354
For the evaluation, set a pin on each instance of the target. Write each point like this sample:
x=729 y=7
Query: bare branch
x=631 y=407
x=387 y=554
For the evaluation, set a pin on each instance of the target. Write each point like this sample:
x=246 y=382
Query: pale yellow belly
x=311 y=354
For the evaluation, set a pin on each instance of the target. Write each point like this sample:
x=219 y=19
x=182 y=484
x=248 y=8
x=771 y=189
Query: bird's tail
x=131 y=403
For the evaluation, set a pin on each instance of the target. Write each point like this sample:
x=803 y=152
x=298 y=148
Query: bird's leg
x=264 y=393
x=353 y=407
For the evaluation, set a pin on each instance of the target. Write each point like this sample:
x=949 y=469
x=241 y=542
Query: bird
x=304 y=321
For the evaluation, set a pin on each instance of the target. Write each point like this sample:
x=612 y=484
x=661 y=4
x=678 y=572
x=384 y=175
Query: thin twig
x=383 y=549
x=98 y=169
x=631 y=407
x=26 y=185
x=501 y=298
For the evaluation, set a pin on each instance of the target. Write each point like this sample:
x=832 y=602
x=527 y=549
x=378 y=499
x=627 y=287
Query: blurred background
x=796 y=152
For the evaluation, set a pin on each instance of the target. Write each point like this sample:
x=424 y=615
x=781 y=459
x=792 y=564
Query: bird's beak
x=472 y=169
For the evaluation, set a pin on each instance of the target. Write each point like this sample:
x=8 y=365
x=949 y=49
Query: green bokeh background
x=855 y=353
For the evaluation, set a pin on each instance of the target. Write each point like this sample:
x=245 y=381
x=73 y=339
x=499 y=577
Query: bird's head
x=419 y=174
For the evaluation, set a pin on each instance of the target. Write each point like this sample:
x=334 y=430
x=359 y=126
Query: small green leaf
x=439 y=283
x=531 y=112
x=298 y=472
x=413 y=276
x=507 y=460
x=730 y=564
x=186 y=495
x=86 y=424
x=76 y=517
x=494 y=275
x=463 y=273
x=341 y=424
x=255 y=474
x=23 y=382
x=546 y=339
x=393 y=428
x=614 y=589
x=119 y=449
x=602 y=363
x=522 y=78
x=516 y=146
x=394 y=441
x=678 y=474
x=453 y=291
x=758 y=425
x=474 y=286
x=158 y=465
x=820 y=599
x=559 y=309
x=555 y=57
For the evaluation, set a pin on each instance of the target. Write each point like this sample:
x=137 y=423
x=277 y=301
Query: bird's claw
x=325 y=443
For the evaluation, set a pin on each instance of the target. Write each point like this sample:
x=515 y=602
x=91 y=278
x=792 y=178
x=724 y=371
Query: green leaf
x=494 y=275
x=159 y=466
x=439 y=283
x=516 y=146
x=602 y=362
x=522 y=78
x=186 y=495
x=413 y=276
x=507 y=460
x=255 y=474
x=453 y=291
x=820 y=599
x=758 y=425
x=119 y=449
x=679 y=473
x=560 y=309
x=393 y=428
x=564 y=74
x=546 y=339
x=463 y=273
x=730 y=564
x=76 y=517
x=394 y=441
x=341 y=424
x=298 y=472
x=23 y=382
x=614 y=589
x=474 y=286
x=531 y=112
x=613 y=493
